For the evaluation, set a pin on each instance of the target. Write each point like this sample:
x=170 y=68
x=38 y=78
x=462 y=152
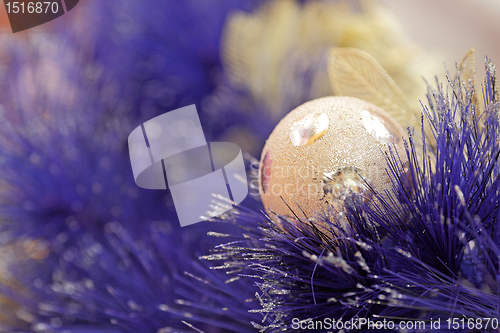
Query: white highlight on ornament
x=308 y=129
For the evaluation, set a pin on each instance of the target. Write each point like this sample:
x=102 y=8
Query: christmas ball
x=322 y=152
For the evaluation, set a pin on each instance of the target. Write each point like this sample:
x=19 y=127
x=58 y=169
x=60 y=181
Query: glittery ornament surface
x=308 y=129
x=324 y=149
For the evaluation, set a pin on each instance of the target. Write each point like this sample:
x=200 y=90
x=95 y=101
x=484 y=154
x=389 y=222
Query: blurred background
x=451 y=27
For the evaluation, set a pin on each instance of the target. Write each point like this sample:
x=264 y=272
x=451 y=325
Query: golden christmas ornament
x=323 y=150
